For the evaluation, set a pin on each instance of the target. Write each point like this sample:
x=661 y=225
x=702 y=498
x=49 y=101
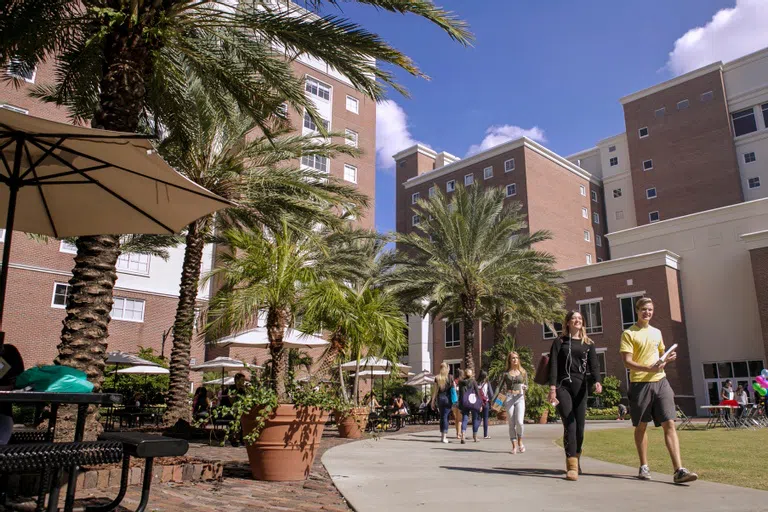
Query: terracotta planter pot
x=286 y=447
x=352 y=424
x=543 y=417
x=501 y=415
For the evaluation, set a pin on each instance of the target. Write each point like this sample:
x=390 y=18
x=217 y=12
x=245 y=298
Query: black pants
x=573 y=411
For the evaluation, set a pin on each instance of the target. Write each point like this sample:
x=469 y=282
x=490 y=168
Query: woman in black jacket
x=571 y=359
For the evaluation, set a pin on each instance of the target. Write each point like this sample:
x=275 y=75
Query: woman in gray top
x=515 y=383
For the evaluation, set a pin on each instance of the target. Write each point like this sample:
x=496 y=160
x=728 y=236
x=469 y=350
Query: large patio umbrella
x=257 y=337
x=118 y=359
x=62 y=180
x=222 y=364
x=143 y=370
x=423 y=378
x=374 y=366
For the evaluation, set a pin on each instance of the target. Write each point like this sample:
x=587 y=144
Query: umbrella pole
x=13 y=185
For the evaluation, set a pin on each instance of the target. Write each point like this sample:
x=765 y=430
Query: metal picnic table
x=718 y=417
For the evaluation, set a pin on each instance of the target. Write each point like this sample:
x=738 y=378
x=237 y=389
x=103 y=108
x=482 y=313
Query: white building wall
x=420 y=350
x=721 y=315
x=619 y=211
x=756 y=143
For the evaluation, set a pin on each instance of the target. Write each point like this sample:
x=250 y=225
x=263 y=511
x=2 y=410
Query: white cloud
x=496 y=135
x=392 y=133
x=730 y=34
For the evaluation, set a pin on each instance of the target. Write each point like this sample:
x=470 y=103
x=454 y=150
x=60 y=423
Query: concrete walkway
x=417 y=472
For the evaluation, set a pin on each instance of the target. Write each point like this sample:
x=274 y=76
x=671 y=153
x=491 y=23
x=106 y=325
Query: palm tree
x=271 y=270
x=470 y=251
x=118 y=61
x=262 y=175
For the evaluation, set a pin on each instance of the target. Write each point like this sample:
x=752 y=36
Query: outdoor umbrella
x=143 y=370
x=222 y=364
x=423 y=378
x=257 y=337
x=226 y=381
x=62 y=180
x=118 y=358
x=375 y=366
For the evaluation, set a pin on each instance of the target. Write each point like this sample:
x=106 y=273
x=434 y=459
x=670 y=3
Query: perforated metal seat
x=39 y=456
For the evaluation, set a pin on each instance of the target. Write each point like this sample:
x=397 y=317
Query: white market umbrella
x=121 y=358
x=62 y=180
x=374 y=363
x=226 y=381
x=221 y=364
x=143 y=370
x=257 y=337
x=420 y=379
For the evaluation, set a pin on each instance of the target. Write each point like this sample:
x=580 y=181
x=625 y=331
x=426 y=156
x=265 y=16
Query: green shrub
x=148 y=389
x=611 y=396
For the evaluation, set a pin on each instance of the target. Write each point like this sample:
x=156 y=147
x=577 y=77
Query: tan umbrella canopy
x=144 y=370
x=62 y=180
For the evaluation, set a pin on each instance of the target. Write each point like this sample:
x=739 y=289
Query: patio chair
x=685 y=420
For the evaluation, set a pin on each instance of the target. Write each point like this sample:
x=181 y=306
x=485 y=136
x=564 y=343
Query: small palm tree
x=469 y=251
x=271 y=270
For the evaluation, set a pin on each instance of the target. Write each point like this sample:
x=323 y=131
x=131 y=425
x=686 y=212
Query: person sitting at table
x=726 y=397
x=400 y=409
x=201 y=404
x=12 y=367
x=370 y=400
x=742 y=399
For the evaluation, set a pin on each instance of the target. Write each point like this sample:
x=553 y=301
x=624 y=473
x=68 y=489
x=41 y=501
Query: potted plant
x=351 y=420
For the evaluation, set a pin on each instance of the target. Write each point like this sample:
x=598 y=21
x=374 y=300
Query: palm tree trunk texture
x=277 y=321
x=469 y=316
x=356 y=389
x=183 y=326
x=336 y=346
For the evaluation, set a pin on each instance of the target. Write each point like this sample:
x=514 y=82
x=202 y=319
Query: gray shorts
x=651 y=401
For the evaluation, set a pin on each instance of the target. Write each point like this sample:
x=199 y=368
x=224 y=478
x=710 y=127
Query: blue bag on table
x=54 y=379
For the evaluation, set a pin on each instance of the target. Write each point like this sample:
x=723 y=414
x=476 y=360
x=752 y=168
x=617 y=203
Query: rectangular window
x=353 y=105
x=584 y=213
x=593 y=193
x=2 y=236
x=628 y=312
x=131 y=310
x=650 y=193
x=614 y=161
x=593 y=318
x=18 y=69
x=488 y=173
x=647 y=165
x=659 y=112
x=765 y=113
x=14 y=109
x=450 y=186
x=619 y=214
x=754 y=182
x=643 y=132
x=512 y=189
x=309 y=124
x=589 y=259
x=744 y=122
x=469 y=179
x=583 y=190
x=415 y=197
x=67 y=247
x=317 y=162
x=602 y=364
x=452 y=334
x=351 y=138
x=653 y=216
x=317 y=88
x=706 y=97
x=547 y=332
x=598 y=240
x=743 y=372
x=453 y=367
x=749 y=157
x=133 y=262
x=683 y=104
x=611 y=149
x=587 y=237
x=415 y=220
x=509 y=165
x=432 y=190
x=596 y=218
x=616 y=193
x=60 y=294
x=350 y=173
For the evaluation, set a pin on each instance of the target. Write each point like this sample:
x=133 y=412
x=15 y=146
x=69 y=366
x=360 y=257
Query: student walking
x=441 y=395
x=456 y=411
x=470 y=403
x=650 y=395
x=487 y=389
x=515 y=384
x=571 y=358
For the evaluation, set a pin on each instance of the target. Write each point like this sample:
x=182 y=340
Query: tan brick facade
x=691 y=150
x=759 y=259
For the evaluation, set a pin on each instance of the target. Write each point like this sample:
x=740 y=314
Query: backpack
x=470 y=399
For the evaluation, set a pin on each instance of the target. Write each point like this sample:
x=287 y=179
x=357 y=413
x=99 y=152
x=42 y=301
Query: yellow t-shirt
x=646 y=346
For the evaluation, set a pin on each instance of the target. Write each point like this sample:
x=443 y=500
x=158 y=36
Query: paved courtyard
x=415 y=471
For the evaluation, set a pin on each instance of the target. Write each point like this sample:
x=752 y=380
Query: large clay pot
x=352 y=424
x=286 y=446
x=502 y=415
x=544 y=416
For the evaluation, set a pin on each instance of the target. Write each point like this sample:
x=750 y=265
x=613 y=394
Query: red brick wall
x=759 y=259
x=694 y=158
x=20 y=97
x=442 y=353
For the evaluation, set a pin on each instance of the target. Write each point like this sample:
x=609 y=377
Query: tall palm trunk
x=183 y=326
x=468 y=317
x=336 y=347
x=89 y=304
x=277 y=321
x=356 y=387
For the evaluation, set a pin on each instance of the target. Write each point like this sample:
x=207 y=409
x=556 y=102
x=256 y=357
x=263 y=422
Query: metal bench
x=143 y=446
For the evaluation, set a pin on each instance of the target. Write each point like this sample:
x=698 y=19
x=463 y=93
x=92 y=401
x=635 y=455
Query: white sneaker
x=445 y=440
x=644 y=473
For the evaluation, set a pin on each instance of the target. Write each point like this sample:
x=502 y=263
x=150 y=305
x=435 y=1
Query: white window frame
x=587 y=236
x=2 y=235
x=619 y=214
x=66 y=295
x=589 y=259
x=615 y=195
x=129 y=256
x=488 y=173
x=753 y=156
x=660 y=112
x=583 y=190
x=550 y=336
x=591 y=329
x=452 y=326
x=602 y=352
x=754 y=182
x=507 y=166
x=451 y=363
x=351 y=138
x=657 y=215
x=432 y=191
x=611 y=149
x=13 y=108
x=650 y=190
x=471 y=178
x=450 y=185
x=595 y=218
x=598 y=240
x=514 y=189
x=584 y=212
x=415 y=220
x=67 y=248
x=415 y=197
x=352 y=169
x=614 y=161
x=143 y=309
x=742 y=114
x=634 y=296
x=320 y=85
x=594 y=196
x=707 y=96
x=315 y=161
x=640 y=132
x=683 y=104
x=28 y=80
x=312 y=125
x=355 y=102
x=647 y=168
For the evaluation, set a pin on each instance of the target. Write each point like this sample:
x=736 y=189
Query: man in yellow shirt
x=650 y=395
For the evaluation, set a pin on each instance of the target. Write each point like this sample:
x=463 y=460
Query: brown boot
x=572 y=468
x=578 y=456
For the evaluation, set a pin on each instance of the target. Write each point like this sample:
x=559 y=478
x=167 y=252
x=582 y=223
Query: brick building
x=674 y=208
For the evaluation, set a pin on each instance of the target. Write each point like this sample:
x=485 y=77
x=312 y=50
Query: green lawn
x=736 y=457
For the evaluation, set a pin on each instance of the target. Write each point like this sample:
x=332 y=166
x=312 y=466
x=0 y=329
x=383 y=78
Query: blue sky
x=552 y=68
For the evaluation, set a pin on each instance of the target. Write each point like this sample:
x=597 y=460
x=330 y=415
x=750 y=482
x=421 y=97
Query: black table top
x=34 y=397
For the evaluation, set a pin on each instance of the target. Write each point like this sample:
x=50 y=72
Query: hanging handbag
x=454 y=395
x=498 y=401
